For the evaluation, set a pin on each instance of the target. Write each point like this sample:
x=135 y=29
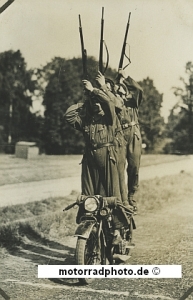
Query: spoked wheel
x=88 y=252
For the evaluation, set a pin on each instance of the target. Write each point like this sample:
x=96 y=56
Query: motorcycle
x=96 y=243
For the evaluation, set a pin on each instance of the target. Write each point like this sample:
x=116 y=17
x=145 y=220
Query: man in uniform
x=107 y=86
x=96 y=119
x=131 y=94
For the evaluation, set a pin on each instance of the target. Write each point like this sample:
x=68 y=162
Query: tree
x=64 y=88
x=180 y=122
x=152 y=124
x=16 y=91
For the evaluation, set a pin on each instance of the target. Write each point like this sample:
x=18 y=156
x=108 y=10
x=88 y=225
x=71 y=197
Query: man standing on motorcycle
x=131 y=94
x=96 y=119
x=107 y=86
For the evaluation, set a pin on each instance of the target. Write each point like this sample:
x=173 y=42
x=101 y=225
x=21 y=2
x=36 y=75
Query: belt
x=126 y=125
x=100 y=145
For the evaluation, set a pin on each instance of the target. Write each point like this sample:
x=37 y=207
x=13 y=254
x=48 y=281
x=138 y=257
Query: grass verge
x=17 y=170
x=46 y=220
x=160 y=192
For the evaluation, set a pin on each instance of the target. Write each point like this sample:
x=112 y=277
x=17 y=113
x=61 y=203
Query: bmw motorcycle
x=96 y=243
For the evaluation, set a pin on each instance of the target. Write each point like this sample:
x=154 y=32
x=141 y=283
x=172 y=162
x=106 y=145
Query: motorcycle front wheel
x=88 y=252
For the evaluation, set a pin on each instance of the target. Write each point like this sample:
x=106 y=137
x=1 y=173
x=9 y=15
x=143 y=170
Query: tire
x=87 y=254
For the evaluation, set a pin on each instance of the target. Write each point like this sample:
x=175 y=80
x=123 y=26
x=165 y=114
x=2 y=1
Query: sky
x=160 y=35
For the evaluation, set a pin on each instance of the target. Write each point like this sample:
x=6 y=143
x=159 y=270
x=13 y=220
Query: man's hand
x=100 y=79
x=120 y=76
x=87 y=85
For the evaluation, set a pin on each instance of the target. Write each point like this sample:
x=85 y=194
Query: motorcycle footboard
x=84 y=229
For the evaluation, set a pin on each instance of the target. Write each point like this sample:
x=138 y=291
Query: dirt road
x=164 y=237
x=39 y=190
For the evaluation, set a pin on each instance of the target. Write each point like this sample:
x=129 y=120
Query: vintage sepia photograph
x=96 y=149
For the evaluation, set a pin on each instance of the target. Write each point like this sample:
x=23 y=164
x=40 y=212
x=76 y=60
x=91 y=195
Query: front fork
x=84 y=230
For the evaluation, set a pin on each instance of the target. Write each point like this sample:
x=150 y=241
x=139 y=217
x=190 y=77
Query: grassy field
x=15 y=170
x=46 y=220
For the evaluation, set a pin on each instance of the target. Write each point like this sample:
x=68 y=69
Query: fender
x=85 y=227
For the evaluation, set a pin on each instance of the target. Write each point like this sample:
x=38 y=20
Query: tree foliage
x=16 y=90
x=59 y=84
x=152 y=124
x=180 y=121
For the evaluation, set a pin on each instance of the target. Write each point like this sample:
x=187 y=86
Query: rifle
x=124 y=47
x=101 y=47
x=4 y=6
x=84 y=53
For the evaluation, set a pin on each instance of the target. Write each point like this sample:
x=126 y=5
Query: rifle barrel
x=4 y=6
x=101 y=43
x=81 y=34
x=124 y=43
x=83 y=50
x=102 y=13
x=80 y=25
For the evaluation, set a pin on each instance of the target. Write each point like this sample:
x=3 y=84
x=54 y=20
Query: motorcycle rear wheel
x=88 y=254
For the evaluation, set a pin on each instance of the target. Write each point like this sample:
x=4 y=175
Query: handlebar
x=70 y=206
x=110 y=201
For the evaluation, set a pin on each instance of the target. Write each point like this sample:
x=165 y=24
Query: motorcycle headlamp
x=91 y=204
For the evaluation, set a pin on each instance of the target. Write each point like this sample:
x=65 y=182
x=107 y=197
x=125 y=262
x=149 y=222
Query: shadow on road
x=42 y=255
x=41 y=251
